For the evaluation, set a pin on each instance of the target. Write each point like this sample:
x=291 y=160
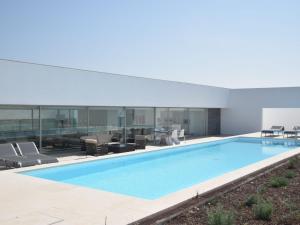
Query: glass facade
x=19 y=124
x=107 y=120
x=139 y=121
x=58 y=127
x=197 y=122
x=178 y=119
x=162 y=118
x=192 y=120
x=62 y=127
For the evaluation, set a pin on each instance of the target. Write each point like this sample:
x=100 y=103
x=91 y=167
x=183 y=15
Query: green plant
x=263 y=210
x=212 y=201
x=251 y=200
x=290 y=174
x=293 y=162
x=220 y=217
x=261 y=189
x=277 y=182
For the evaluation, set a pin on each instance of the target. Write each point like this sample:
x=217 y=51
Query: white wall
x=287 y=117
x=244 y=112
x=32 y=84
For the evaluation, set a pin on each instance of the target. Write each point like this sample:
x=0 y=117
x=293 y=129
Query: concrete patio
x=29 y=200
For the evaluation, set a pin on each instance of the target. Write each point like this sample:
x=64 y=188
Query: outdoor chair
x=10 y=158
x=97 y=144
x=273 y=130
x=181 y=134
x=30 y=151
x=174 y=137
x=140 y=141
x=294 y=132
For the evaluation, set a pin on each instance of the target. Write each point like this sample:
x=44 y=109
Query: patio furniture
x=10 y=158
x=140 y=141
x=181 y=134
x=103 y=139
x=120 y=148
x=90 y=146
x=96 y=144
x=273 y=131
x=30 y=151
x=166 y=140
x=292 y=133
x=174 y=137
x=160 y=136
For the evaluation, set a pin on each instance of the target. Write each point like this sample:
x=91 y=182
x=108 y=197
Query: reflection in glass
x=197 y=122
x=178 y=119
x=139 y=121
x=63 y=127
x=18 y=124
x=107 y=120
x=162 y=118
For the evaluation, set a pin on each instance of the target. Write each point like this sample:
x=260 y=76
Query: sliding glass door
x=139 y=121
x=178 y=119
x=107 y=120
x=62 y=127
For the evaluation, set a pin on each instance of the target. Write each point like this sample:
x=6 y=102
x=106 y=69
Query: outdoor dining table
x=162 y=133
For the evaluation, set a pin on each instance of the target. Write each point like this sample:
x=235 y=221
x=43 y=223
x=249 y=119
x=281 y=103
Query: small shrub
x=251 y=200
x=263 y=210
x=293 y=162
x=220 y=217
x=261 y=189
x=277 y=182
x=290 y=174
x=212 y=201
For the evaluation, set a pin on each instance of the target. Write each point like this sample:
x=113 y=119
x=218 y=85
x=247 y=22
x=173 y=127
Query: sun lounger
x=294 y=132
x=9 y=156
x=30 y=151
x=273 y=131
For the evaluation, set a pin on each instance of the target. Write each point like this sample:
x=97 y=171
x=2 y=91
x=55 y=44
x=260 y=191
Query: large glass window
x=62 y=127
x=162 y=118
x=107 y=120
x=19 y=124
x=178 y=119
x=139 y=121
x=197 y=122
x=192 y=120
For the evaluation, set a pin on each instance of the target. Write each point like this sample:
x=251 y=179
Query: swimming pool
x=152 y=175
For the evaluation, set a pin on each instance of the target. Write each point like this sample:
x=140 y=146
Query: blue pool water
x=155 y=174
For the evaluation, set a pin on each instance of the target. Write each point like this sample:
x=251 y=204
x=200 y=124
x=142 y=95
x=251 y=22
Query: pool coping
x=140 y=208
x=168 y=214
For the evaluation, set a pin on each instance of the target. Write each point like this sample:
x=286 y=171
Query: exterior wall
x=32 y=84
x=245 y=106
x=241 y=109
x=287 y=117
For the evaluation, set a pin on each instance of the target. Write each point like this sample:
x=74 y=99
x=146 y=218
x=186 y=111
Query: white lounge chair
x=174 y=137
x=181 y=134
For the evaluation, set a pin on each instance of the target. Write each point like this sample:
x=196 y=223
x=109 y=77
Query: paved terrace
x=28 y=200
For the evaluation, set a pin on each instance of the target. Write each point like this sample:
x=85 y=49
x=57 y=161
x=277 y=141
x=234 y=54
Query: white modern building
x=54 y=106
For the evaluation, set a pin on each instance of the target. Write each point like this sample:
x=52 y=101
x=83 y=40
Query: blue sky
x=222 y=43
